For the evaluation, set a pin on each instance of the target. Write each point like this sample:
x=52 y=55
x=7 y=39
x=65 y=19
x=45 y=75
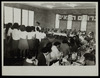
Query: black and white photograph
x=49 y=38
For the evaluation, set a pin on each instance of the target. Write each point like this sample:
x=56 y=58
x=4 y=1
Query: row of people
x=24 y=38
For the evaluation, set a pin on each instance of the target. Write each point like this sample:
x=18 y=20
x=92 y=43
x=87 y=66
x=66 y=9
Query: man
x=42 y=56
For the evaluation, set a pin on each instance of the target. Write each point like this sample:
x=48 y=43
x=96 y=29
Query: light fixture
x=71 y=4
x=49 y=6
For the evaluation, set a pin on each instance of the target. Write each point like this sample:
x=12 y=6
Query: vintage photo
x=50 y=35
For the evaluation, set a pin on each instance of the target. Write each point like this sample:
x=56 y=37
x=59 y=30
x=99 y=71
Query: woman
x=23 y=44
x=8 y=32
x=29 y=37
x=15 y=37
x=37 y=40
x=34 y=39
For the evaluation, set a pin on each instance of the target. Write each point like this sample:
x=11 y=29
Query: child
x=30 y=61
x=15 y=37
x=23 y=44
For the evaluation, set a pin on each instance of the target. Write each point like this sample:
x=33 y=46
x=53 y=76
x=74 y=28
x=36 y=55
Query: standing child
x=30 y=36
x=33 y=38
x=15 y=38
x=23 y=44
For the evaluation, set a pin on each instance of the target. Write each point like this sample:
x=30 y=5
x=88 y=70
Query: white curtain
x=84 y=23
x=25 y=17
x=8 y=14
x=17 y=15
x=57 y=21
x=69 y=22
x=31 y=18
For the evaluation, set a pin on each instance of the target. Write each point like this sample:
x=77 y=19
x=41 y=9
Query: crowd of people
x=42 y=47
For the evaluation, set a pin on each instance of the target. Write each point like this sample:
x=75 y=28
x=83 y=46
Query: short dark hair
x=15 y=26
x=89 y=56
x=22 y=28
x=65 y=40
x=57 y=43
x=49 y=44
x=29 y=56
x=10 y=24
x=37 y=28
x=33 y=28
x=28 y=29
x=46 y=49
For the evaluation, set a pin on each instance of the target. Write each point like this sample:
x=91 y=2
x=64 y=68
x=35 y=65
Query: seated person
x=55 y=53
x=86 y=59
x=42 y=56
x=89 y=59
x=30 y=61
x=64 y=47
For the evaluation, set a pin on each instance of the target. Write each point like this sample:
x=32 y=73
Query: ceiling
x=62 y=5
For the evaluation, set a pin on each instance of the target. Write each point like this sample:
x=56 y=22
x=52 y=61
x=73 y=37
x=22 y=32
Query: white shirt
x=15 y=34
x=30 y=35
x=38 y=35
x=55 y=52
x=74 y=56
x=34 y=33
x=9 y=32
x=29 y=60
x=43 y=35
x=23 y=34
x=81 y=37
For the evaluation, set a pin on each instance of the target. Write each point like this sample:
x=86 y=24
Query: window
x=8 y=15
x=13 y=15
x=31 y=18
x=69 y=22
x=17 y=15
x=84 y=23
x=57 y=21
x=25 y=17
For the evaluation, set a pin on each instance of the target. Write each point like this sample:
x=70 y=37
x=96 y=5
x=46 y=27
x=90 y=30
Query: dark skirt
x=15 y=44
x=30 y=43
x=23 y=44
